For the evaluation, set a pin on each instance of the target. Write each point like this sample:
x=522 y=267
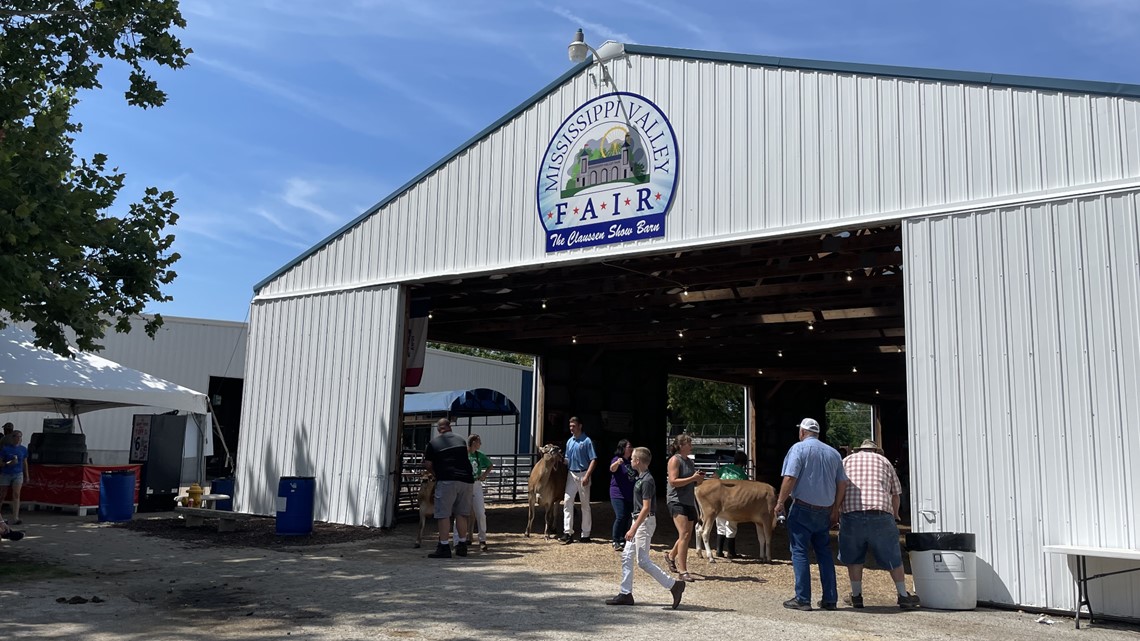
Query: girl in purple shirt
x=622 y=476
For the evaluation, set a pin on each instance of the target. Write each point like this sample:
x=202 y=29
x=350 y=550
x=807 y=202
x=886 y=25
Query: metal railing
x=506 y=482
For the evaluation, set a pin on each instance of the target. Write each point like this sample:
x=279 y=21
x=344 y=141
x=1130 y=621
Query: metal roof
x=917 y=73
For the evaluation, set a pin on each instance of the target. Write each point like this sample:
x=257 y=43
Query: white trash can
x=944 y=568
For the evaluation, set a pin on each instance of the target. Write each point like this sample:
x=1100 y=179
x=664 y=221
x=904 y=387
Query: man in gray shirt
x=446 y=459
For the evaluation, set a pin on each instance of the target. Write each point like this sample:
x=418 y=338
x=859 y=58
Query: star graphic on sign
x=658 y=195
x=575 y=210
x=550 y=214
x=603 y=205
x=627 y=201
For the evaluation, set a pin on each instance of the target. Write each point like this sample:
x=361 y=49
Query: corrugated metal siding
x=445 y=371
x=185 y=351
x=1024 y=378
x=762 y=150
x=321 y=400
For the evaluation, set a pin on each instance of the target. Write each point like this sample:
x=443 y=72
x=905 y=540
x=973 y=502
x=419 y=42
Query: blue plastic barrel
x=295 y=505
x=117 y=495
x=223 y=486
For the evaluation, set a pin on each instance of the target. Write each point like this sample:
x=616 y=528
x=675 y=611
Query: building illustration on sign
x=608 y=174
x=595 y=171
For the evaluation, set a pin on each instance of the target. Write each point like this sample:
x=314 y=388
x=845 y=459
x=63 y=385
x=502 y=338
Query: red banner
x=76 y=485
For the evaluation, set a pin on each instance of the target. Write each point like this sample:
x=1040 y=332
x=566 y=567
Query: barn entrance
x=796 y=320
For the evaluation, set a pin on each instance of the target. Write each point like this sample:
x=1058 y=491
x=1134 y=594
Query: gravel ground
x=156 y=581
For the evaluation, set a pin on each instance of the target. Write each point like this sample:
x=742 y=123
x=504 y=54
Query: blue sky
x=293 y=118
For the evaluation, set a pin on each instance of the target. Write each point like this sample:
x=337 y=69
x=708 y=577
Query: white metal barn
x=961 y=248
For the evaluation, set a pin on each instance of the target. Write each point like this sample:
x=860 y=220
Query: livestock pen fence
x=506 y=482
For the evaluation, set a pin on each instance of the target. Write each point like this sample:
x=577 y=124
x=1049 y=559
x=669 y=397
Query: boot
x=442 y=551
x=720 y=539
x=731 y=548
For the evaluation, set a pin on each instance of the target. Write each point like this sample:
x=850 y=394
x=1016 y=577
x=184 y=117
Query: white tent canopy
x=33 y=379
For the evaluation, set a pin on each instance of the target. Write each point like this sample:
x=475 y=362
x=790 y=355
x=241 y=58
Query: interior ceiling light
x=825 y=382
x=685 y=291
x=680 y=333
x=760 y=372
x=574 y=339
x=430 y=316
x=678 y=357
x=854 y=370
x=811 y=325
x=876 y=392
x=544 y=303
x=849 y=279
x=780 y=353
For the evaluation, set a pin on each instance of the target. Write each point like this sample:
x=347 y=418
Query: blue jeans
x=808 y=527
x=623 y=518
x=875 y=531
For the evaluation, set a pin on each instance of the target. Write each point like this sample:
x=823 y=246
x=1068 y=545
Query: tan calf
x=427 y=504
x=546 y=487
x=739 y=502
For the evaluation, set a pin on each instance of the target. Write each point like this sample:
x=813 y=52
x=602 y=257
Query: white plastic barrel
x=944 y=568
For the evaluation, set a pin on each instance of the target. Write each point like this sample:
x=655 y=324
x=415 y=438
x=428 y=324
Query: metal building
x=961 y=249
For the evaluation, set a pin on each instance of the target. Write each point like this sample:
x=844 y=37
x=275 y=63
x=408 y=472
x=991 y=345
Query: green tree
x=848 y=423
x=491 y=354
x=65 y=260
x=697 y=402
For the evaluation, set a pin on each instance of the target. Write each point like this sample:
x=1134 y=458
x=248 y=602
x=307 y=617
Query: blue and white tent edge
x=479 y=402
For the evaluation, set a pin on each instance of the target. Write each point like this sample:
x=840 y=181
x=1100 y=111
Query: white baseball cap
x=809 y=424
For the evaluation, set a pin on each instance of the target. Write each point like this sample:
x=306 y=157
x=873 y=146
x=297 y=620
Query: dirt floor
x=154 y=578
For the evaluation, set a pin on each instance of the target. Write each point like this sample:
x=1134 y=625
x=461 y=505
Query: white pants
x=478 y=516
x=638 y=549
x=725 y=528
x=574 y=488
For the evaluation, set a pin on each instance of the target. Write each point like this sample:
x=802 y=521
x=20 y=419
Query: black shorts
x=688 y=511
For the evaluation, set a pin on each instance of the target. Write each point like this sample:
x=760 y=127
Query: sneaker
x=584 y=539
x=12 y=535
x=619 y=547
x=854 y=600
x=627 y=599
x=567 y=540
x=909 y=601
x=442 y=551
x=483 y=546
x=796 y=604
x=677 y=590
x=827 y=605
x=461 y=548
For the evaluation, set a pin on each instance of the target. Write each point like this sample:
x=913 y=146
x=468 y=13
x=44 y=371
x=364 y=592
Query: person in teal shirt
x=480 y=466
x=725 y=529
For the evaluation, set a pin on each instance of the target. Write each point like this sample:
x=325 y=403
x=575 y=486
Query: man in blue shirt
x=813 y=478
x=580 y=460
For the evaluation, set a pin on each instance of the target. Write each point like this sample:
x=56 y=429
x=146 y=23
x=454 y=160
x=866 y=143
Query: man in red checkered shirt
x=867 y=511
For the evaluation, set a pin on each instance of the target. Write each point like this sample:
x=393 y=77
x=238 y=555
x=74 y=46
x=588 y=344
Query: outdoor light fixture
x=578 y=49
x=609 y=50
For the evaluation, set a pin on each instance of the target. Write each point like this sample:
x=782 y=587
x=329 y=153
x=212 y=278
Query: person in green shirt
x=480 y=466
x=725 y=529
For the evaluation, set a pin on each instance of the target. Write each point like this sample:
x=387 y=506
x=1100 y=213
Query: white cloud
x=299 y=194
x=312 y=106
x=593 y=27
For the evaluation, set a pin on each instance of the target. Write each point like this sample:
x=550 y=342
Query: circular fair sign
x=608 y=174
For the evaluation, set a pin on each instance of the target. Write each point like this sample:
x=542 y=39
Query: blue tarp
x=480 y=401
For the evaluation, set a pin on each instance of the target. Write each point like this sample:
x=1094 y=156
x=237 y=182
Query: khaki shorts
x=452 y=498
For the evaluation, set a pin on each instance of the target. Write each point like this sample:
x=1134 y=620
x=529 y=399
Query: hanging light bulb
x=574 y=339
x=780 y=353
x=678 y=357
x=876 y=392
x=825 y=382
x=430 y=316
x=684 y=291
x=854 y=369
x=680 y=333
x=849 y=279
x=760 y=372
x=544 y=303
x=811 y=325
